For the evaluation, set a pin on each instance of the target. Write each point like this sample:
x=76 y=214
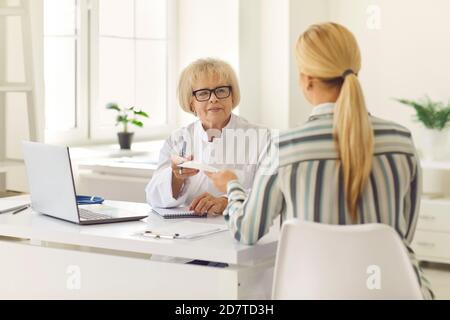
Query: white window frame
x=87 y=49
x=79 y=133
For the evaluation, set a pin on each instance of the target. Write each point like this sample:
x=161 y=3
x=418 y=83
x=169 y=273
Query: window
x=102 y=51
x=61 y=40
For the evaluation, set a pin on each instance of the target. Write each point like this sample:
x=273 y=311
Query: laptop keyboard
x=89 y=215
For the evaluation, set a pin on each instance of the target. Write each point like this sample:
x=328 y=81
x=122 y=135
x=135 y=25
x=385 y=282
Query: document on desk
x=184 y=230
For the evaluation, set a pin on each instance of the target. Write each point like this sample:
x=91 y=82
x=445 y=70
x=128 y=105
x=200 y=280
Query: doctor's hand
x=182 y=174
x=221 y=179
x=207 y=203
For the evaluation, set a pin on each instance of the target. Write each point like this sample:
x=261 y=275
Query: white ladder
x=27 y=87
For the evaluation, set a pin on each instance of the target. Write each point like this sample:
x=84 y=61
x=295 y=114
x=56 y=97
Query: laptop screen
x=50 y=180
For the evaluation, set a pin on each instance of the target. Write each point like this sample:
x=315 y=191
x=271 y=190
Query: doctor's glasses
x=204 y=94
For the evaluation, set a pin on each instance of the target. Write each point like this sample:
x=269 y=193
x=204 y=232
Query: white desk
x=42 y=257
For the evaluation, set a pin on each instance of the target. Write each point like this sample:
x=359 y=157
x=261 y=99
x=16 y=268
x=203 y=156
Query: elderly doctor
x=207 y=88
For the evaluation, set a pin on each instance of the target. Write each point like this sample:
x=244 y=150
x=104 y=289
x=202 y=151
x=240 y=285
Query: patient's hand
x=221 y=179
x=207 y=203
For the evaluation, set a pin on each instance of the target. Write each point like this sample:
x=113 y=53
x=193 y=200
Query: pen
x=159 y=236
x=14 y=208
x=182 y=154
x=201 y=234
x=183 y=149
x=21 y=209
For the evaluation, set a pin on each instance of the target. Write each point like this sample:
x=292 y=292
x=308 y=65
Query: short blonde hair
x=209 y=68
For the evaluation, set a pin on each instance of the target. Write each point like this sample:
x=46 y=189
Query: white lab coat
x=237 y=147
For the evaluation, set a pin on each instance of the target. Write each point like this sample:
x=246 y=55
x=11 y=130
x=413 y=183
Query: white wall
x=275 y=63
x=302 y=13
x=207 y=28
x=250 y=59
x=264 y=65
x=407 y=57
x=268 y=32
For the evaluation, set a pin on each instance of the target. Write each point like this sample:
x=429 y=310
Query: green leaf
x=141 y=113
x=122 y=118
x=433 y=114
x=443 y=118
x=137 y=123
x=113 y=106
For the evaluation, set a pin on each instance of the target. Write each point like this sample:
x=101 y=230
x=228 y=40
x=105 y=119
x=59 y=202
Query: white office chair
x=320 y=261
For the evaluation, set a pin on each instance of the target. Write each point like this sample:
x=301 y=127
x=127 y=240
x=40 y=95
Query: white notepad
x=179 y=212
x=185 y=230
x=198 y=166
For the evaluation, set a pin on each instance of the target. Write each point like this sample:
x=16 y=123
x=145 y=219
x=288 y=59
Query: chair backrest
x=320 y=261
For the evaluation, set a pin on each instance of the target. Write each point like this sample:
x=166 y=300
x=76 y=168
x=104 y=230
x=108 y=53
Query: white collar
x=204 y=135
x=322 y=109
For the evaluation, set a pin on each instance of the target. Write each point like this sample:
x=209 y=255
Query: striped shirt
x=299 y=177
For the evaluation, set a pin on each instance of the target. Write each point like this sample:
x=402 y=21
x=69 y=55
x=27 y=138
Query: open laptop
x=52 y=188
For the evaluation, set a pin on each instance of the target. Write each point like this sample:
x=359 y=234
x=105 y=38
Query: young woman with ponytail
x=343 y=166
x=335 y=70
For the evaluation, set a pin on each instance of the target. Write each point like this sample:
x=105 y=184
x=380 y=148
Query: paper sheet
x=189 y=229
x=198 y=166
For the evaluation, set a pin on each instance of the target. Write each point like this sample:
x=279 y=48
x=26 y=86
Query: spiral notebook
x=178 y=212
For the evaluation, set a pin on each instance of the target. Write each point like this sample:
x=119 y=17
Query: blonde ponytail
x=354 y=139
x=330 y=53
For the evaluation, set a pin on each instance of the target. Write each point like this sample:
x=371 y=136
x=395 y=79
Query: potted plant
x=126 y=116
x=436 y=119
